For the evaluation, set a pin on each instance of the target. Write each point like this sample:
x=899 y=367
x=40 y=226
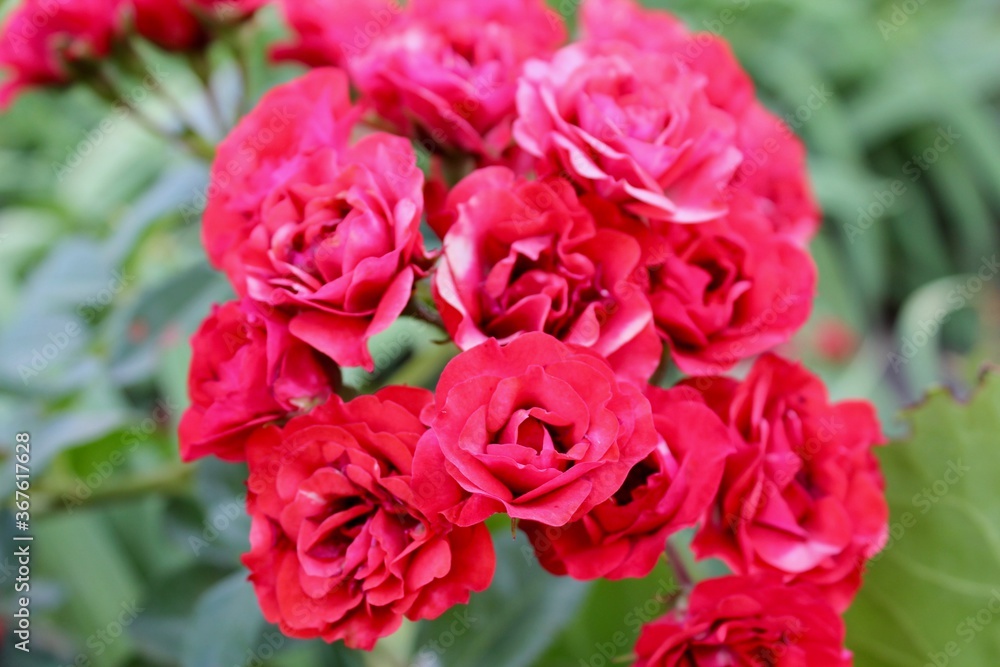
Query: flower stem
x=55 y=498
x=421 y=311
x=203 y=70
x=684 y=578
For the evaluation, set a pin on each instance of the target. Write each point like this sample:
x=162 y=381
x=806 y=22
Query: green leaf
x=932 y=597
x=511 y=623
x=607 y=624
x=225 y=625
x=104 y=594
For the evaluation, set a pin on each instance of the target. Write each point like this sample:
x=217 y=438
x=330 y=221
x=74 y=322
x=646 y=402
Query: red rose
x=290 y=122
x=636 y=127
x=42 y=40
x=773 y=168
x=243 y=376
x=447 y=71
x=802 y=494
x=746 y=621
x=338 y=548
x=774 y=172
x=625 y=535
x=726 y=290
x=537 y=429
x=727 y=85
x=334 y=242
x=525 y=256
x=184 y=25
x=320 y=40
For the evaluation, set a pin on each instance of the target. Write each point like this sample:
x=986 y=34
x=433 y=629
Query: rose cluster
x=578 y=217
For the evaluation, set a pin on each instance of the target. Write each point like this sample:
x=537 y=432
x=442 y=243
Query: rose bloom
x=727 y=85
x=746 y=622
x=802 y=495
x=247 y=371
x=725 y=290
x=320 y=41
x=525 y=256
x=538 y=429
x=447 y=72
x=291 y=121
x=774 y=172
x=338 y=548
x=43 y=40
x=633 y=126
x=187 y=25
x=773 y=169
x=332 y=240
x=669 y=490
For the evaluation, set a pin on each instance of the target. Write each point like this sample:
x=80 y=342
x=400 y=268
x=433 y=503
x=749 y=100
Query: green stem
x=421 y=311
x=104 y=87
x=661 y=371
x=203 y=70
x=425 y=366
x=236 y=41
x=55 y=498
x=684 y=578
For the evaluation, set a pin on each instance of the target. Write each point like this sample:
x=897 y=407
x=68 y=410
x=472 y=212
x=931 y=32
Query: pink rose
x=635 y=127
x=323 y=40
x=525 y=256
x=727 y=85
x=327 y=234
x=538 y=429
x=775 y=174
x=447 y=72
x=773 y=168
x=42 y=41
x=802 y=495
x=246 y=372
x=669 y=490
x=338 y=548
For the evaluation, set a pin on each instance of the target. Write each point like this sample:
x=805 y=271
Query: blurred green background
x=136 y=557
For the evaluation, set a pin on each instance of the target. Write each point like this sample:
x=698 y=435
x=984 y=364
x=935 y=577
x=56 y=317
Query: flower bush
x=602 y=227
